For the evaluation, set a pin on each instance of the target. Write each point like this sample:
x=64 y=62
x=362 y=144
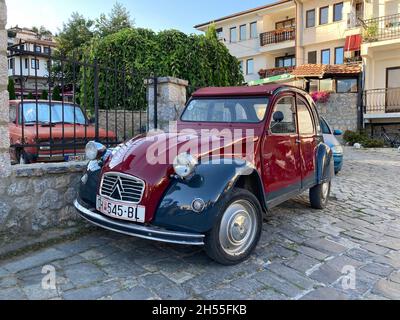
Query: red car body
x=37 y=136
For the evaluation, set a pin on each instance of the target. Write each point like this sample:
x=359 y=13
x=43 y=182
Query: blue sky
x=153 y=14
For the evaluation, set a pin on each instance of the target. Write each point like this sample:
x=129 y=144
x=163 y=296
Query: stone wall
x=37 y=197
x=134 y=122
x=341 y=111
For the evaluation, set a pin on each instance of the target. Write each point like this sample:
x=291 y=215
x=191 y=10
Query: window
x=47 y=50
x=71 y=114
x=250 y=66
x=338 y=12
x=312 y=57
x=11 y=63
x=325 y=127
x=233 y=35
x=324 y=15
x=35 y=64
x=346 y=85
x=306 y=123
x=288 y=125
x=253 y=30
x=310 y=19
x=326 y=85
x=326 y=56
x=339 y=55
x=230 y=110
x=243 y=32
x=38 y=49
x=26 y=63
x=241 y=66
x=13 y=113
x=284 y=62
x=314 y=86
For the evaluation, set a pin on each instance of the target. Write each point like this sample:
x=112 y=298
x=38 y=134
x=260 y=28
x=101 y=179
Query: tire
x=319 y=195
x=229 y=243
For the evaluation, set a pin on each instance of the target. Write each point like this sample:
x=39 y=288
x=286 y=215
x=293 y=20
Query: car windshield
x=325 y=128
x=232 y=110
x=72 y=115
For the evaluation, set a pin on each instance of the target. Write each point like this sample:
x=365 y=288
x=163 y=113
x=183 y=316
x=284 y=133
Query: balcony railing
x=382 y=101
x=277 y=36
x=382 y=28
x=266 y=73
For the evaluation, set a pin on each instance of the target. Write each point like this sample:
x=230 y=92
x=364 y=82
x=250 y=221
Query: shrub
x=352 y=138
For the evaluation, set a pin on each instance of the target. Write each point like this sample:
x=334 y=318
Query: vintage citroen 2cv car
x=212 y=195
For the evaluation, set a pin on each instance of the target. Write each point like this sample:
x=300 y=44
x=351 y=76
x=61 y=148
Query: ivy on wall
x=138 y=54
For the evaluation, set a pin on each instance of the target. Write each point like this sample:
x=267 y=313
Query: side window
x=286 y=125
x=241 y=115
x=13 y=113
x=306 y=123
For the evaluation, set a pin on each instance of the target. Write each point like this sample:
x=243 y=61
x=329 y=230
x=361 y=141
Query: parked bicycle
x=390 y=139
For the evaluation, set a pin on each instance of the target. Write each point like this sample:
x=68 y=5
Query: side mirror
x=279 y=117
x=338 y=132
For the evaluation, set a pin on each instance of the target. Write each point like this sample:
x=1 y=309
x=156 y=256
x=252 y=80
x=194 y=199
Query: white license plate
x=122 y=211
x=79 y=157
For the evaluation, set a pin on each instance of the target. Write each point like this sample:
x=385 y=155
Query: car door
x=308 y=141
x=280 y=153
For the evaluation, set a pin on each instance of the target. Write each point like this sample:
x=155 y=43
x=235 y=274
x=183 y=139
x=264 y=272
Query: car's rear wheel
x=319 y=195
x=238 y=229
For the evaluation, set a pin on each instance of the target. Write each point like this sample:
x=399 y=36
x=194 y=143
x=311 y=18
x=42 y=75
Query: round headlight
x=94 y=150
x=184 y=165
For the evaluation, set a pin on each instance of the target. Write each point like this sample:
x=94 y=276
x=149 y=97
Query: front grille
x=122 y=187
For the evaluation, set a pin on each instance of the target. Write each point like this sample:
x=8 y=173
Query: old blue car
x=331 y=140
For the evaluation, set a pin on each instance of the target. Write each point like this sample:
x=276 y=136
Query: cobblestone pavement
x=303 y=253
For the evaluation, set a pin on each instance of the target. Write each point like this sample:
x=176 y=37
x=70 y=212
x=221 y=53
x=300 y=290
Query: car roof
x=264 y=90
x=14 y=102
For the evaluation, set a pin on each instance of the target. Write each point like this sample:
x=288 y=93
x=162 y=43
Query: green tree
x=42 y=31
x=44 y=95
x=118 y=19
x=56 y=96
x=77 y=32
x=137 y=53
x=30 y=96
x=11 y=89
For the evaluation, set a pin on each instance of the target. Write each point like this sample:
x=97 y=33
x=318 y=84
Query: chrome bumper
x=140 y=231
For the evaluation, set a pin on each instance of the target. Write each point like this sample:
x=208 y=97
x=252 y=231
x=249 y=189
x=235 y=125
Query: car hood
x=151 y=157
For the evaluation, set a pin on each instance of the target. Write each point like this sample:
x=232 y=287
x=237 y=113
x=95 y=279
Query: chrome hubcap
x=325 y=190
x=238 y=228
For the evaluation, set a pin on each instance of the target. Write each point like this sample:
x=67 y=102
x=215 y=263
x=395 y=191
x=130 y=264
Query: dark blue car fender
x=325 y=164
x=210 y=183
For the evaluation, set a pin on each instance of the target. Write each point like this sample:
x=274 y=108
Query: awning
x=274 y=79
x=353 y=43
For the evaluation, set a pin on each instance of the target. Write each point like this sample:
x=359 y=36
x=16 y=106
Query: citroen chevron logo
x=117 y=190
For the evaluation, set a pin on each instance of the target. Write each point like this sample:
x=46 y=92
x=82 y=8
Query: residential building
x=28 y=60
x=330 y=45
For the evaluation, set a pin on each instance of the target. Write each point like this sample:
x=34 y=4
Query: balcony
x=382 y=101
x=277 y=36
x=382 y=28
x=266 y=73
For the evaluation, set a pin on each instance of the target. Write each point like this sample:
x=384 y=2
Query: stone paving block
x=247 y=285
x=299 y=280
x=388 y=289
x=36 y=292
x=378 y=269
x=271 y=281
x=14 y=293
x=40 y=258
x=302 y=263
x=226 y=294
x=8 y=282
x=325 y=245
x=84 y=274
x=312 y=253
x=326 y=275
x=339 y=263
x=325 y=294
x=136 y=293
x=94 y=292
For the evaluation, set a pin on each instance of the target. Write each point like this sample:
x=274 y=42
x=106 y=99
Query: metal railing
x=381 y=101
x=277 y=36
x=382 y=28
x=79 y=100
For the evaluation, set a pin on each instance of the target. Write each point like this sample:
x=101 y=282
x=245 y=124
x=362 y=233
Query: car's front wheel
x=238 y=229
x=319 y=195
